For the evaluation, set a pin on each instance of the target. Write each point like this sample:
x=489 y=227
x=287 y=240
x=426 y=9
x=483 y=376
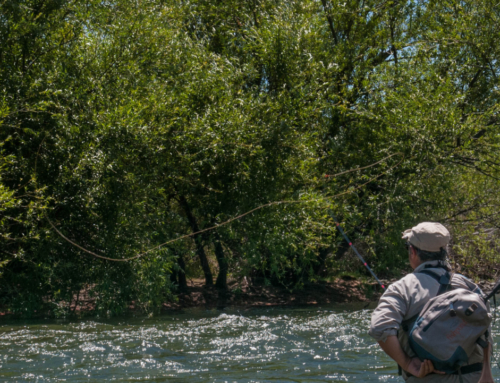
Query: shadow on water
x=299 y=344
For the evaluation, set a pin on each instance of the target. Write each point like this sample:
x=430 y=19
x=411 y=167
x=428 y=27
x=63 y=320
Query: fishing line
x=240 y=216
x=363 y=168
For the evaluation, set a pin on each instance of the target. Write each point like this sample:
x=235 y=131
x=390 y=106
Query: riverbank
x=244 y=295
x=340 y=291
x=238 y=295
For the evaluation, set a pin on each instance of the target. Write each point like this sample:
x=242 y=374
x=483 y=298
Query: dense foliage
x=128 y=124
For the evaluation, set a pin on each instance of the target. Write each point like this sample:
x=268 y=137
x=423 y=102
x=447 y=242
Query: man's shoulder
x=412 y=280
x=461 y=281
x=403 y=283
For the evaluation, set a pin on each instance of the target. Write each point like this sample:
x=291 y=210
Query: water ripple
x=279 y=345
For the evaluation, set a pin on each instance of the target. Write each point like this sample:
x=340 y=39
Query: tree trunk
x=178 y=275
x=181 y=274
x=341 y=250
x=319 y=268
x=198 y=239
x=221 y=282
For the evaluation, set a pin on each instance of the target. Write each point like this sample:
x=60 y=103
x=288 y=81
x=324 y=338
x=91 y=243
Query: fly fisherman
x=400 y=305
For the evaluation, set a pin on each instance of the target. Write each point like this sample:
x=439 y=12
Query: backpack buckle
x=470 y=310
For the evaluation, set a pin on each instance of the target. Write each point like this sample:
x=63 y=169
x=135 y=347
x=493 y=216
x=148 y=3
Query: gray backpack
x=449 y=326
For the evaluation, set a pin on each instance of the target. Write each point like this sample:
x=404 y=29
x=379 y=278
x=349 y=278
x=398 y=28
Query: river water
x=326 y=344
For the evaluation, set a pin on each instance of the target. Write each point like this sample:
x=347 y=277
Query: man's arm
x=486 y=375
x=385 y=322
x=413 y=365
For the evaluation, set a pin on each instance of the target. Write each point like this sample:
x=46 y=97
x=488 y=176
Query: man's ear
x=413 y=251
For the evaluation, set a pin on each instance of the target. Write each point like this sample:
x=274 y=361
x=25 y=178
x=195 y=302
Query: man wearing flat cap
x=401 y=303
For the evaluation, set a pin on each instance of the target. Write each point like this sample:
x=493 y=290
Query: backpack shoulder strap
x=444 y=285
x=444 y=280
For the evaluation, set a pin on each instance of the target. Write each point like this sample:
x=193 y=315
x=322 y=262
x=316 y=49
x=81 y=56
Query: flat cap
x=428 y=236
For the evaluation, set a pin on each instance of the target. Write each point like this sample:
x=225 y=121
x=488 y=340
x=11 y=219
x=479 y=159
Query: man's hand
x=412 y=365
x=420 y=369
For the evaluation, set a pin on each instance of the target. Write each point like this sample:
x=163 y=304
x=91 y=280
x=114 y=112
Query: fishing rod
x=356 y=250
x=487 y=297
x=493 y=292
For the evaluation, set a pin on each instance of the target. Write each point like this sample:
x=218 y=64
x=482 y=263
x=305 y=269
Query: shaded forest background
x=130 y=123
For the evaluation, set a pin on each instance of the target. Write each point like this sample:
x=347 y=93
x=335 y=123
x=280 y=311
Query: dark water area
x=313 y=344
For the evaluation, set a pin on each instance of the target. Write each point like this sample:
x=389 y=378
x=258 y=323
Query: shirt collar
x=431 y=264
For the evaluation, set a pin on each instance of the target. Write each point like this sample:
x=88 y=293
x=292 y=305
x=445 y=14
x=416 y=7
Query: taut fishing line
x=250 y=212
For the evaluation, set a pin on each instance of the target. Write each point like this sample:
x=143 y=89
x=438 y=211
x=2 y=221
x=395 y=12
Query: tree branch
x=330 y=22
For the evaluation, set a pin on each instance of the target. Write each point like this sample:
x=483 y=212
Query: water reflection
x=273 y=345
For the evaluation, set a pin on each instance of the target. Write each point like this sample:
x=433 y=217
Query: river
x=313 y=344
